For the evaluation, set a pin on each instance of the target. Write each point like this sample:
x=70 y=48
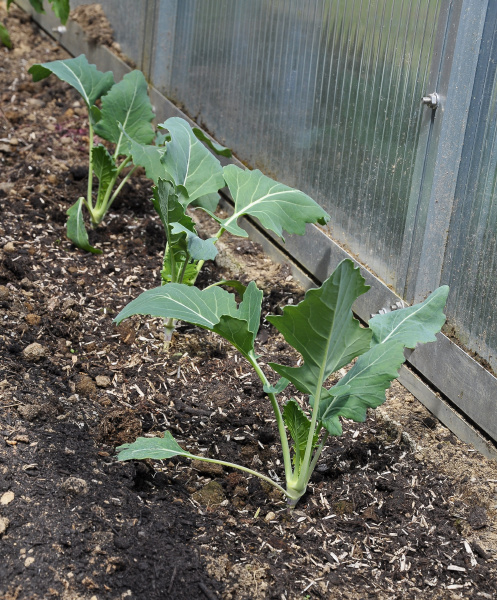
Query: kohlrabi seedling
x=187 y=174
x=124 y=116
x=324 y=331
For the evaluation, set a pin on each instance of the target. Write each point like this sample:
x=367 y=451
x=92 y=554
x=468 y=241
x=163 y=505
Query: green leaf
x=189 y=163
x=76 y=231
x=198 y=248
x=236 y=331
x=127 y=104
x=4 y=36
x=172 y=212
x=209 y=202
x=179 y=301
x=91 y=83
x=241 y=329
x=364 y=384
x=168 y=207
x=37 y=5
x=323 y=329
x=217 y=148
x=298 y=425
x=277 y=206
x=250 y=308
x=189 y=272
x=233 y=283
x=212 y=308
x=412 y=325
x=280 y=385
x=161 y=138
x=155 y=448
x=61 y=9
x=104 y=168
x=147 y=156
x=373 y=372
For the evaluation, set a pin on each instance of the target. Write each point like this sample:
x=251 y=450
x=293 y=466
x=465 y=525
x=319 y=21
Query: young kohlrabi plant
x=324 y=331
x=123 y=117
x=187 y=174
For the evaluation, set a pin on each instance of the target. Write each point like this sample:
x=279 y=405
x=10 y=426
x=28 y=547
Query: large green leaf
x=76 y=231
x=212 y=308
x=155 y=448
x=412 y=325
x=365 y=384
x=190 y=165
x=104 y=168
x=178 y=301
x=323 y=329
x=277 y=206
x=91 y=83
x=127 y=104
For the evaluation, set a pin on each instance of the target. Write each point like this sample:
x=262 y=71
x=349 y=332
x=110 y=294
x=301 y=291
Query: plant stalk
x=89 y=203
x=287 y=459
x=101 y=208
x=241 y=468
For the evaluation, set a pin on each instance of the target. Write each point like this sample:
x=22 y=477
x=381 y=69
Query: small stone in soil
x=74 y=485
x=85 y=385
x=34 y=352
x=4 y=523
x=478 y=518
x=33 y=319
x=9 y=248
x=29 y=411
x=211 y=494
x=103 y=381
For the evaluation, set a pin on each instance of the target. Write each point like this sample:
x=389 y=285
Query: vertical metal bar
x=160 y=30
x=450 y=120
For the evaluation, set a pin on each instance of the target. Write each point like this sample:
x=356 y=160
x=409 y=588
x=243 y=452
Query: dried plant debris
x=399 y=508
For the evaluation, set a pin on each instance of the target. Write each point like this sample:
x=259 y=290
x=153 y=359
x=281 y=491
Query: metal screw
x=431 y=100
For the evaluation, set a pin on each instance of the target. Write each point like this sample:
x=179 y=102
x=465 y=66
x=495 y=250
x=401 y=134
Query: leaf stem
x=89 y=203
x=240 y=468
x=287 y=460
x=315 y=459
x=120 y=186
x=306 y=471
x=200 y=263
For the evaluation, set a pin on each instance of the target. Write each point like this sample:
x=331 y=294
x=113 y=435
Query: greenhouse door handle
x=431 y=100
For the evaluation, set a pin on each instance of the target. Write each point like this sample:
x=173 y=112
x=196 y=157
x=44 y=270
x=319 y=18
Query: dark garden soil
x=398 y=508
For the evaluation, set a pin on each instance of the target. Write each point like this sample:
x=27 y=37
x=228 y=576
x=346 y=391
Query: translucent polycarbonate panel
x=127 y=18
x=470 y=266
x=323 y=95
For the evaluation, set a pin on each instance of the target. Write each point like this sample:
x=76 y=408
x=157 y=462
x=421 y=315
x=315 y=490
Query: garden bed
x=398 y=507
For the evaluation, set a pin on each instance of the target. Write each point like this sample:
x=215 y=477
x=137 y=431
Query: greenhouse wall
x=326 y=96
